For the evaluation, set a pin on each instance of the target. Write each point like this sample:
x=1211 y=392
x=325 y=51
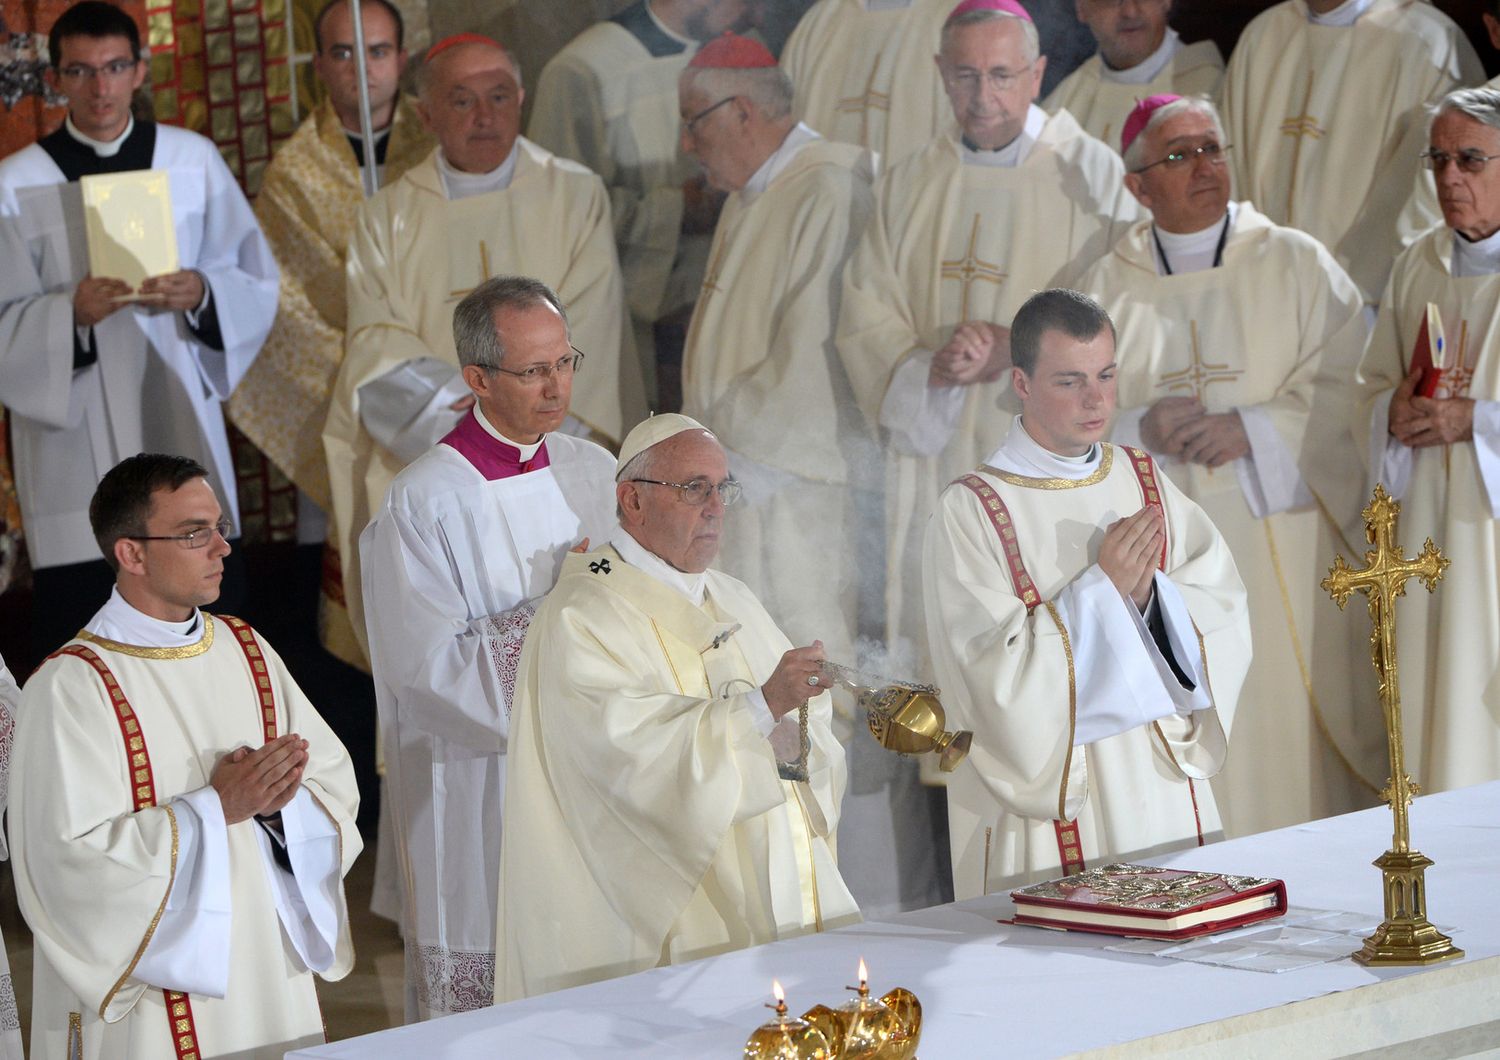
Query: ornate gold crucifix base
x=1406 y=936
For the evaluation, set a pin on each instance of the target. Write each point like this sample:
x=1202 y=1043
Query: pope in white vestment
x=1096 y=719
x=1232 y=315
x=964 y=235
x=1099 y=96
x=470 y=537
x=863 y=73
x=423 y=243
x=163 y=930
x=666 y=799
x=142 y=378
x=1326 y=115
x=1447 y=480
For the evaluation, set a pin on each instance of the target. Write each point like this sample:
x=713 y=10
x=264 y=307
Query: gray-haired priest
x=674 y=781
x=1087 y=624
x=1440 y=455
x=469 y=533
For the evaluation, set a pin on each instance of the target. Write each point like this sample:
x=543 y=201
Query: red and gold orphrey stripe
x=1145 y=473
x=244 y=636
x=143 y=789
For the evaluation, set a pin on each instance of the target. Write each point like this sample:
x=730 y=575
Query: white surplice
x=1274 y=334
x=154 y=387
x=646 y=819
x=419 y=246
x=131 y=881
x=957 y=237
x=863 y=73
x=472 y=533
x=1081 y=726
x=1327 y=121
x=1448 y=641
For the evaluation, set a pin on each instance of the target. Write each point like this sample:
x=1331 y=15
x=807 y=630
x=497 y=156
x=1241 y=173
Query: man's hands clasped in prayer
x=1129 y=553
x=976 y=352
x=1421 y=421
x=260 y=782
x=1181 y=428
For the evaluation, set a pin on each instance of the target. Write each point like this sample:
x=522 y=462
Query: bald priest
x=674 y=781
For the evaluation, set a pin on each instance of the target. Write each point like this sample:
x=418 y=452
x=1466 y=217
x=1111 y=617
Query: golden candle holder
x=786 y=1039
x=903 y=716
x=1406 y=936
x=868 y=1028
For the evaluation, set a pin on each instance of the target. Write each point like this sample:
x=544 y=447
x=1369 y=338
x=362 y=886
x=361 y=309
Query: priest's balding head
x=1464 y=156
x=991 y=65
x=470 y=96
x=1176 y=162
x=736 y=107
x=671 y=488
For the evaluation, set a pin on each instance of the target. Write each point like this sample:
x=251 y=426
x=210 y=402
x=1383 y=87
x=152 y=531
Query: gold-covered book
x=1149 y=901
x=128 y=218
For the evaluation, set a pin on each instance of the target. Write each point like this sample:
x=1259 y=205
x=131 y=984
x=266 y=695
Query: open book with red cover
x=1150 y=902
x=1430 y=353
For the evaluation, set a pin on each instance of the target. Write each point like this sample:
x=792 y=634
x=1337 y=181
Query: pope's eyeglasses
x=696 y=492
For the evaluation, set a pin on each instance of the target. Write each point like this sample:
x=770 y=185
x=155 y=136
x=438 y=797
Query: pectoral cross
x=864 y=103
x=970 y=269
x=484 y=273
x=1198 y=375
x=1406 y=936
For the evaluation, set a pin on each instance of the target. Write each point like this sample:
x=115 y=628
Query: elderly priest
x=1440 y=455
x=181 y=817
x=1087 y=623
x=672 y=790
x=486 y=202
x=1239 y=341
x=469 y=536
x=963 y=231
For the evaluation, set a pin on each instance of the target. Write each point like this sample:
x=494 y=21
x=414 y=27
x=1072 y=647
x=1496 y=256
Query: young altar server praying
x=181 y=817
x=1087 y=623
x=674 y=782
x=469 y=536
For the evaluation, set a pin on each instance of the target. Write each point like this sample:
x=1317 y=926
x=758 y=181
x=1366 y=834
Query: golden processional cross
x=969 y=269
x=1406 y=936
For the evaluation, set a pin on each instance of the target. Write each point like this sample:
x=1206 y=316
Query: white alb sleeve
x=407 y=410
x=921 y=419
x=307 y=898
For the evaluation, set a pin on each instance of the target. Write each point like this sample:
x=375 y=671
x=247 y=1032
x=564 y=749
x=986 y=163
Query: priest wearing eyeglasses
x=1238 y=344
x=674 y=782
x=470 y=534
x=1440 y=455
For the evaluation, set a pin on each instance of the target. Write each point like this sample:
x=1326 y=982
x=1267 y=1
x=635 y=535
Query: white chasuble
x=1089 y=743
x=414 y=255
x=160 y=931
x=1448 y=642
x=1327 y=122
x=867 y=76
x=609 y=101
x=1274 y=333
x=952 y=242
x=470 y=537
x=1100 y=104
x=646 y=819
x=154 y=386
x=306 y=206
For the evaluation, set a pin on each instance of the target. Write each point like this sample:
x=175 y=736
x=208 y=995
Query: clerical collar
x=120 y=621
x=1346 y=14
x=102 y=148
x=1179 y=253
x=382 y=138
x=1479 y=258
x=693 y=586
x=686 y=42
x=775 y=164
x=526 y=452
x=1020 y=454
x=1147 y=69
x=887 y=5
x=460 y=185
x=1013 y=153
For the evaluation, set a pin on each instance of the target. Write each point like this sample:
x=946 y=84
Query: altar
x=992 y=989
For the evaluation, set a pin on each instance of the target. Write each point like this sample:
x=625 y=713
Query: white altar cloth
x=988 y=989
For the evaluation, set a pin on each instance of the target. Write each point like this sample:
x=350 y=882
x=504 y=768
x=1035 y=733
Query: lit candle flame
x=864 y=973
x=777 y=991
